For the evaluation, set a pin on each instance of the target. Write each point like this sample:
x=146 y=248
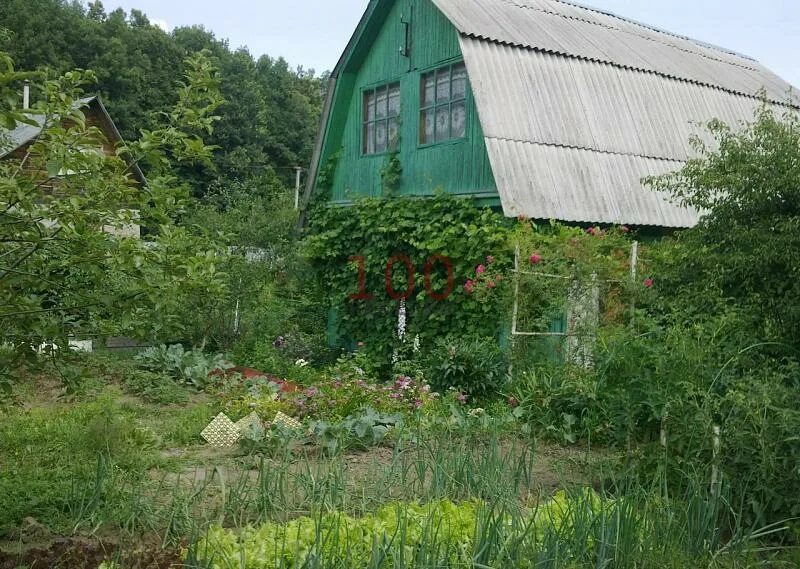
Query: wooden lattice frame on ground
x=286 y=421
x=221 y=432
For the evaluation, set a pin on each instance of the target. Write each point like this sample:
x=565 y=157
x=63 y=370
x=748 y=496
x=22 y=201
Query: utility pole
x=299 y=171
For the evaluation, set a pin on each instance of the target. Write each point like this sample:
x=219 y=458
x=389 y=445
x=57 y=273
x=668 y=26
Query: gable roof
x=23 y=134
x=577 y=105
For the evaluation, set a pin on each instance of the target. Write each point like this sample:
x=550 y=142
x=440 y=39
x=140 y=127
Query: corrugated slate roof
x=577 y=105
x=24 y=133
x=567 y=29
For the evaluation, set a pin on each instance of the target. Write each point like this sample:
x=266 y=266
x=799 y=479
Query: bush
x=154 y=387
x=473 y=365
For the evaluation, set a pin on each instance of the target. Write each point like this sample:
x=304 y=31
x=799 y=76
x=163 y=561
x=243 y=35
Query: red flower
x=536 y=258
x=648 y=283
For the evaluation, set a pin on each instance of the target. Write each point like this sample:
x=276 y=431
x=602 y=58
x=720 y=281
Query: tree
x=62 y=273
x=743 y=255
x=267 y=127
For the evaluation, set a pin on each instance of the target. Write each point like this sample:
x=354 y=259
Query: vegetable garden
x=409 y=383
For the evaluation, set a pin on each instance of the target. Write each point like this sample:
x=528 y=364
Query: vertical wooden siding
x=459 y=167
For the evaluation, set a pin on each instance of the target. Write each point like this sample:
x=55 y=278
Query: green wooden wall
x=458 y=167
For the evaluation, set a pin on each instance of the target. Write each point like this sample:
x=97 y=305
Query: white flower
x=301 y=363
x=476 y=412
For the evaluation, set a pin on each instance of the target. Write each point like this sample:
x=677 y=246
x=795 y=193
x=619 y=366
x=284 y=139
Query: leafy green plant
x=474 y=365
x=191 y=367
x=574 y=529
x=154 y=387
x=367 y=429
x=444 y=237
x=391 y=174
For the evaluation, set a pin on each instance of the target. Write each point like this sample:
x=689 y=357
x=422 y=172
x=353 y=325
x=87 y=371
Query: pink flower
x=648 y=283
x=489 y=259
x=461 y=398
x=625 y=229
x=536 y=258
x=418 y=403
x=513 y=402
x=469 y=287
x=480 y=270
x=592 y=231
x=491 y=284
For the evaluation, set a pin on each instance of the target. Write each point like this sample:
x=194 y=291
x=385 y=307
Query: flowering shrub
x=330 y=399
x=561 y=266
x=488 y=278
x=342 y=398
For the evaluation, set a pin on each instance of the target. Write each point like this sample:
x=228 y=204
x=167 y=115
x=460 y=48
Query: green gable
x=375 y=57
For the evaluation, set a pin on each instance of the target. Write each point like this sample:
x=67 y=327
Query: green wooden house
x=543 y=108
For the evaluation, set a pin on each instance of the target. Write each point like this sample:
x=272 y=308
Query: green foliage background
x=267 y=126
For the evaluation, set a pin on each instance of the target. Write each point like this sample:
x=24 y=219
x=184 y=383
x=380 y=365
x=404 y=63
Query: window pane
x=458 y=118
x=428 y=89
x=459 y=82
x=394 y=100
x=443 y=85
x=426 y=126
x=369 y=138
x=380 y=111
x=380 y=136
x=369 y=106
x=393 y=135
x=442 y=123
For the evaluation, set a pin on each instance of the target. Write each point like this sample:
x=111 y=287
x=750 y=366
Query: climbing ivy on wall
x=447 y=258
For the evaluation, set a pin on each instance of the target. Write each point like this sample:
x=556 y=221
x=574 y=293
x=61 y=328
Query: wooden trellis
x=568 y=333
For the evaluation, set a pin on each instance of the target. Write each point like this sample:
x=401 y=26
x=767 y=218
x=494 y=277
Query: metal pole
x=515 y=312
x=715 y=478
x=297 y=188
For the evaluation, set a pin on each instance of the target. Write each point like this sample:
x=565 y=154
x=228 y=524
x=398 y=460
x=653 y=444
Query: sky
x=313 y=33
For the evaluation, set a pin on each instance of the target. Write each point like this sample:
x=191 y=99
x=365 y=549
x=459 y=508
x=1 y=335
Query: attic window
x=381 y=122
x=443 y=104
